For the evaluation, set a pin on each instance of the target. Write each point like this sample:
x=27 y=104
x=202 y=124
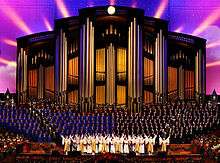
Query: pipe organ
x=118 y=60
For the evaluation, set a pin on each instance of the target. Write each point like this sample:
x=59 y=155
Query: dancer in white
x=66 y=141
x=112 y=144
x=121 y=140
x=97 y=144
x=89 y=145
x=126 y=147
x=151 y=145
x=142 y=145
x=164 y=142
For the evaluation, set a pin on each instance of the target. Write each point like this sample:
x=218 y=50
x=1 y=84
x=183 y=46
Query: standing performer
x=151 y=145
x=126 y=147
x=112 y=144
x=89 y=145
x=146 y=141
x=73 y=144
x=78 y=143
x=142 y=146
x=117 y=144
x=121 y=140
x=93 y=145
x=137 y=145
x=66 y=142
x=100 y=140
x=108 y=140
x=164 y=142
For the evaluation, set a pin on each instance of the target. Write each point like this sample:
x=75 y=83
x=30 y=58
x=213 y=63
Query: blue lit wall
x=22 y=17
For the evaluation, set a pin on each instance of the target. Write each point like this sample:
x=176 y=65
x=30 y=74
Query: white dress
x=121 y=140
x=100 y=145
x=84 y=145
x=89 y=146
x=112 y=146
x=142 y=146
x=126 y=147
x=97 y=145
x=77 y=144
x=108 y=140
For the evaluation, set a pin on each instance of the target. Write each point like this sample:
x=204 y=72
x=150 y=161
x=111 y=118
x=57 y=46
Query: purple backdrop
x=22 y=17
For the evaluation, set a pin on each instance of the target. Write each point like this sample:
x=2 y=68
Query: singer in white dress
x=126 y=147
x=142 y=145
x=164 y=142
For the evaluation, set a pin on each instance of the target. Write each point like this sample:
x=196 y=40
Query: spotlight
x=111 y=10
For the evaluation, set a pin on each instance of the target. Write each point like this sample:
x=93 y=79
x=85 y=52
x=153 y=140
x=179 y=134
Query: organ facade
x=110 y=57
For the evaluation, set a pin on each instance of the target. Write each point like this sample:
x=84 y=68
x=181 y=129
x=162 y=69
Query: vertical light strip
x=18 y=73
x=90 y=69
x=129 y=65
x=161 y=60
x=22 y=70
x=83 y=61
x=163 y=65
x=25 y=73
x=87 y=57
x=65 y=63
x=196 y=71
x=132 y=48
x=107 y=80
x=93 y=56
x=156 y=87
x=61 y=61
x=141 y=61
x=135 y=57
x=138 y=62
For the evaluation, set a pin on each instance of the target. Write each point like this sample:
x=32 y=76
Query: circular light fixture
x=111 y=10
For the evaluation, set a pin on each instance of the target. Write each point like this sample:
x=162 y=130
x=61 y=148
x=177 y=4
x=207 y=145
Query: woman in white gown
x=126 y=147
x=97 y=144
x=142 y=145
x=121 y=140
x=84 y=144
x=100 y=144
x=112 y=145
x=89 y=145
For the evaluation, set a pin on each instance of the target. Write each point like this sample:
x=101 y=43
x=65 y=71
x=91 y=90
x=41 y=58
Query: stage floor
x=107 y=157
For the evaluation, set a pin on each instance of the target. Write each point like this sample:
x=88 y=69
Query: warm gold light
x=111 y=10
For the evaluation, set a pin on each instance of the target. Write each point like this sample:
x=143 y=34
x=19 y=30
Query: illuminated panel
x=73 y=97
x=121 y=64
x=148 y=97
x=148 y=71
x=73 y=71
x=100 y=94
x=100 y=64
x=121 y=95
x=49 y=81
x=32 y=82
x=172 y=81
x=189 y=84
